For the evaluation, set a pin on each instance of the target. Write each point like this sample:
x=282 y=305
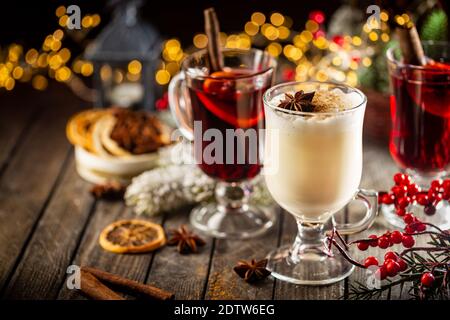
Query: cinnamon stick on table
x=94 y=289
x=128 y=284
x=212 y=30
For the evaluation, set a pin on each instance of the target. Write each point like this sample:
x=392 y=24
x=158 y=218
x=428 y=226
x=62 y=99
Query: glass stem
x=232 y=196
x=310 y=239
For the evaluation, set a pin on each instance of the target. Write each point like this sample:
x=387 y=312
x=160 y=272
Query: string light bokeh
x=312 y=54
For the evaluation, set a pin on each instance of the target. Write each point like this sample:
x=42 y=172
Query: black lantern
x=124 y=56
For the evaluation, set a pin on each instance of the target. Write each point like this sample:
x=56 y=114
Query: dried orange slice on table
x=132 y=236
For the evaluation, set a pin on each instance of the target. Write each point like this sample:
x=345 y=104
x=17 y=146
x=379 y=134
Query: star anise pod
x=252 y=271
x=112 y=190
x=300 y=101
x=185 y=240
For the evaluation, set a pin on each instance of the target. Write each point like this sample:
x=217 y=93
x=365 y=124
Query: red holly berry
x=446 y=195
x=363 y=246
x=408 y=218
x=422 y=199
x=399 y=191
x=403 y=202
x=420 y=227
x=400 y=212
x=387 y=198
x=381 y=273
x=370 y=261
x=399 y=178
x=396 y=236
x=427 y=279
x=390 y=255
x=392 y=268
x=408 y=241
x=410 y=228
x=429 y=210
x=374 y=242
x=446 y=186
x=402 y=264
x=383 y=242
x=413 y=189
x=436 y=185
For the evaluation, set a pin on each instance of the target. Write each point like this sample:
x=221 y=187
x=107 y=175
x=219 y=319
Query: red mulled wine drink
x=230 y=104
x=420 y=123
x=221 y=111
x=420 y=112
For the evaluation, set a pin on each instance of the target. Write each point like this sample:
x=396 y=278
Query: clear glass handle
x=370 y=200
x=180 y=106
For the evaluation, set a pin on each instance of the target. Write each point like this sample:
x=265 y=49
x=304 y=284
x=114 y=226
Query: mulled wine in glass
x=222 y=113
x=420 y=123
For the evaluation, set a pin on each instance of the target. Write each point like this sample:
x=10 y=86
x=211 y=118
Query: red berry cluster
x=406 y=192
x=392 y=265
x=388 y=239
x=427 y=279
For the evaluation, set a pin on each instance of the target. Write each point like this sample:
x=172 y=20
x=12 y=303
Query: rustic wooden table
x=48 y=219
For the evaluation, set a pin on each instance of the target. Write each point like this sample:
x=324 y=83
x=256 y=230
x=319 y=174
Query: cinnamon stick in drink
x=94 y=289
x=212 y=30
x=410 y=45
x=130 y=285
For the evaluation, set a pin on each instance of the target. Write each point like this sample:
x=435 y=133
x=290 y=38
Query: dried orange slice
x=132 y=236
x=79 y=128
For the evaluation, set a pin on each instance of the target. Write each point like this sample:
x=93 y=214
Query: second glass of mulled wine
x=420 y=125
x=222 y=112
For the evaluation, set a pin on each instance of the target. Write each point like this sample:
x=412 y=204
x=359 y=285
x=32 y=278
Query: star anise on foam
x=185 y=240
x=300 y=101
x=252 y=271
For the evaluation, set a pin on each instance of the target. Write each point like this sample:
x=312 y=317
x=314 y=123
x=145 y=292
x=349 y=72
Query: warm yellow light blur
x=306 y=36
x=55 y=61
x=105 y=72
x=134 y=67
x=17 y=72
x=39 y=82
x=251 y=28
x=31 y=56
x=96 y=20
x=65 y=54
x=258 y=18
x=58 y=34
x=200 y=40
x=87 y=69
x=63 y=74
x=385 y=37
x=373 y=36
x=63 y=20
x=42 y=60
x=366 y=61
x=60 y=11
x=162 y=77
x=277 y=19
x=87 y=21
x=283 y=32
x=312 y=26
x=384 y=16
x=356 y=41
x=274 y=49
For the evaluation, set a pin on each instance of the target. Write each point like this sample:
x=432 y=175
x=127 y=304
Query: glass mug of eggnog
x=313 y=167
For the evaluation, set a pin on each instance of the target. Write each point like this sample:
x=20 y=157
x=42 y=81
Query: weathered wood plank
x=29 y=179
x=288 y=291
x=185 y=275
x=223 y=283
x=15 y=117
x=42 y=269
x=133 y=266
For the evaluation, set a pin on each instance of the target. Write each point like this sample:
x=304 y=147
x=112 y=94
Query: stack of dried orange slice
x=116 y=144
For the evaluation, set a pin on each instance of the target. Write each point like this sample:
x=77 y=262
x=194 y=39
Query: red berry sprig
x=405 y=192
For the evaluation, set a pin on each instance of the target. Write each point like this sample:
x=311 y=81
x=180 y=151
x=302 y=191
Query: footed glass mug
x=313 y=167
x=222 y=112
